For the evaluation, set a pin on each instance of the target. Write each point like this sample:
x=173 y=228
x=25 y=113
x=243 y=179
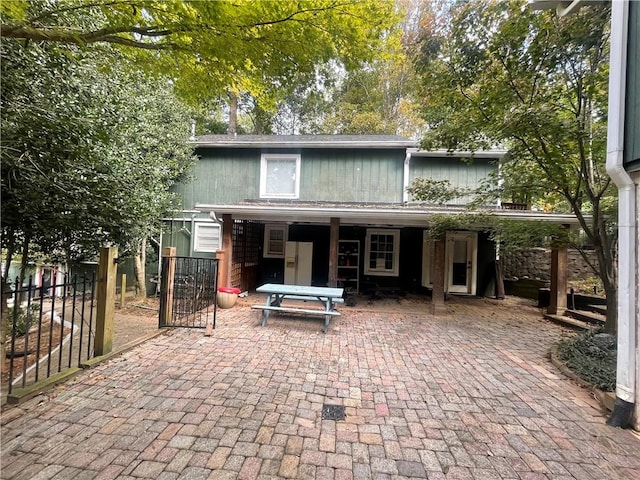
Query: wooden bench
x=295 y=310
x=320 y=313
x=306 y=298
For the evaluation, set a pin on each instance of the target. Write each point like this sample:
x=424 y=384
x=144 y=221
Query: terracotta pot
x=227 y=297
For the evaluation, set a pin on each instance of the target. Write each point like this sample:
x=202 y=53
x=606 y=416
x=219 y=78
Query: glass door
x=461 y=254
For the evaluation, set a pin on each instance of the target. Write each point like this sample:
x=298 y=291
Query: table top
x=300 y=290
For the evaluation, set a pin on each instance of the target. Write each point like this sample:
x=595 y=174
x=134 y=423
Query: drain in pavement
x=332 y=412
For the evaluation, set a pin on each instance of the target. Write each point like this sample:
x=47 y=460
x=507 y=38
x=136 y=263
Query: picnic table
x=277 y=293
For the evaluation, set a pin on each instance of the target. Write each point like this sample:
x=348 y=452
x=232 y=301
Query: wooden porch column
x=334 y=236
x=437 y=300
x=558 y=300
x=225 y=255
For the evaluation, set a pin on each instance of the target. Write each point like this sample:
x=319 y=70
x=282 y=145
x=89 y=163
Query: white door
x=297 y=263
x=461 y=262
x=461 y=250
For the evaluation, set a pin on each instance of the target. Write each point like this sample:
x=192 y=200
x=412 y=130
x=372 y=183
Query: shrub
x=23 y=321
x=592 y=356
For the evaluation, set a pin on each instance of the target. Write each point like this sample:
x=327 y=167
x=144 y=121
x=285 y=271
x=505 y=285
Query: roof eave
x=304 y=144
x=366 y=216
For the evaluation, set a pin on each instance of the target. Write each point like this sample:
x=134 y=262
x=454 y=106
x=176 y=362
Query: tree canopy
x=89 y=151
x=536 y=84
x=254 y=46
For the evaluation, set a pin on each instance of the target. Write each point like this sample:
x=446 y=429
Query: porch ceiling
x=387 y=214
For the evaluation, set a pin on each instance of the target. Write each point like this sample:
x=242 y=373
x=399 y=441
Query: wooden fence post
x=105 y=300
x=123 y=290
x=168 y=275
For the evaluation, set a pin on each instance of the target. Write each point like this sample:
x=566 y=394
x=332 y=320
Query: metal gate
x=51 y=328
x=188 y=292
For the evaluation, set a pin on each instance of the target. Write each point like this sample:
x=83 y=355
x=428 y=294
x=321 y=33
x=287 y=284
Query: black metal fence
x=189 y=299
x=50 y=329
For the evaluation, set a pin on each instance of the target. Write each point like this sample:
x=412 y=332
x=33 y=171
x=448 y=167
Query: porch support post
x=334 y=236
x=558 y=300
x=437 y=300
x=224 y=256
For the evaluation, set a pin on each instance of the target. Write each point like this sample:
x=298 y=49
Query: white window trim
x=265 y=157
x=393 y=272
x=266 y=253
x=197 y=234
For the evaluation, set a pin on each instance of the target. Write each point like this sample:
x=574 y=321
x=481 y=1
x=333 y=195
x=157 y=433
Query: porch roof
x=398 y=215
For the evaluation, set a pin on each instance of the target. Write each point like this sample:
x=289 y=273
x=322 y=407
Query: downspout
x=405 y=177
x=625 y=380
x=564 y=11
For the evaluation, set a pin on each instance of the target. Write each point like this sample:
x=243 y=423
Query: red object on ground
x=228 y=290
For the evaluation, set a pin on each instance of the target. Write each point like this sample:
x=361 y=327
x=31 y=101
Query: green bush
x=592 y=356
x=26 y=317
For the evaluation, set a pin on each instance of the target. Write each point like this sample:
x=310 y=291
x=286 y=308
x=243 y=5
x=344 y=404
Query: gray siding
x=459 y=173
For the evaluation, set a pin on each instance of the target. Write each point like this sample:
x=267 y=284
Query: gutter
x=627 y=334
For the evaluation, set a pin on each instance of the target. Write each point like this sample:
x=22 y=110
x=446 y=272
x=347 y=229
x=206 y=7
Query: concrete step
x=601 y=309
x=586 y=316
x=568 y=321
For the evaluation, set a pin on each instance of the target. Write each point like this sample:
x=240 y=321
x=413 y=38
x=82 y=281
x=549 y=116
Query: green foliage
x=439 y=224
x=434 y=191
x=211 y=47
x=511 y=235
x=21 y=320
x=536 y=84
x=89 y=149
x=592 y=356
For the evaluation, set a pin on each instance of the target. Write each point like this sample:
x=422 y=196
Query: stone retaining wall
x=535 y=264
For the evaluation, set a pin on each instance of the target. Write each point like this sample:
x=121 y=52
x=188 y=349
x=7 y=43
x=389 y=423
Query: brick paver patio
x=466 y=395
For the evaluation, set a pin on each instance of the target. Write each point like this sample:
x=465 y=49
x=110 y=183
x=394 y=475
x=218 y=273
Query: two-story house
x=333 y=210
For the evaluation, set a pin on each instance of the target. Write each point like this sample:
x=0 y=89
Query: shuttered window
x=207 y=237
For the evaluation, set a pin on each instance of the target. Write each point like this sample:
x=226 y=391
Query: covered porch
x=464 y=262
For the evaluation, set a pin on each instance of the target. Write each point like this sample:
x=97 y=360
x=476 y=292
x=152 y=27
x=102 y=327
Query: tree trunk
x=611 y=323
x=499 y=280
x=140 y=261
x=23 y=269
x=5 y=294
x=232 y=129
x=608 y=275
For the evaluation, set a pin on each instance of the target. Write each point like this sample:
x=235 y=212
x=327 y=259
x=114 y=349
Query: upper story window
x=382 y=252
x=280 y=176
x=207 y=237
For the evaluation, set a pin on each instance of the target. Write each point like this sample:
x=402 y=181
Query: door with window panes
x=460 y=267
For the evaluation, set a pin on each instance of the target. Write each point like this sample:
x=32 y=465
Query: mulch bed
x=47 y=336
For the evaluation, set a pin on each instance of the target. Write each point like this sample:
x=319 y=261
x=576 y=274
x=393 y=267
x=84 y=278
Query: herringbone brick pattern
x=466 y=395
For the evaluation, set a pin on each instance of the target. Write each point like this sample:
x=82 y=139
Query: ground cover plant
x=592 y=356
